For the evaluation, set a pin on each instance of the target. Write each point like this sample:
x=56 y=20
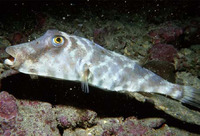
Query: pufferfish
x=60 y=55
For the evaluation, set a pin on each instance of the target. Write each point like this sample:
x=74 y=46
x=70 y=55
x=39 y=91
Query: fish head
x=45 y=56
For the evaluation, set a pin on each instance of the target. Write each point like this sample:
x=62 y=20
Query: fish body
x=60 y=55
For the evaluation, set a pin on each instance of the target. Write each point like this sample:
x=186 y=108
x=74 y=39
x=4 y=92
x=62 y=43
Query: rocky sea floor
x=167 y=43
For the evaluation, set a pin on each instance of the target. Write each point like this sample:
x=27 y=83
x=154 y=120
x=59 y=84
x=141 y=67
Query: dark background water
x=155 y=11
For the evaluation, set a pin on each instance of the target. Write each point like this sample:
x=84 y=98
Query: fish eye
x=57 y=41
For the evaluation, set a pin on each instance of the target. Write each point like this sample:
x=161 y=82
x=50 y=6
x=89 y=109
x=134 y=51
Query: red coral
x=17 y=38
x=64 y=121
x=135 y=128
x=8 y=106
x=165 y=35
x=7 y=133
x=163 y=52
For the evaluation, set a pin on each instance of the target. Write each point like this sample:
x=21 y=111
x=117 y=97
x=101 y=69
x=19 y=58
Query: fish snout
x=17 y=55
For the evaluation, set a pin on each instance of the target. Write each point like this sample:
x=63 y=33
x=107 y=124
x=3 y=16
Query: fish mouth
x=11 y=59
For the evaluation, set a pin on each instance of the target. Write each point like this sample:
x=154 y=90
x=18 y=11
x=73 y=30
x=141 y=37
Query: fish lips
x=15 y=58
x=12 y=59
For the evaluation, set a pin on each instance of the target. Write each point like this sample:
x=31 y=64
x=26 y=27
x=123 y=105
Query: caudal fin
x=191 y=96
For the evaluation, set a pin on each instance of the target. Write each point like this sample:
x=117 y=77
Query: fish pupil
x=58 y=40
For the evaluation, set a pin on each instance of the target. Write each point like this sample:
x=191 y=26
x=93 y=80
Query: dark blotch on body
x=74 y=44
x=88 y=48
x=100 y=82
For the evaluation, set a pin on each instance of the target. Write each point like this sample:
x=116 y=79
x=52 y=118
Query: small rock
x=162 y=68
x=166 y=34
x=188 y=60
x=71 y=117
x=163 y=52
x=8 y=106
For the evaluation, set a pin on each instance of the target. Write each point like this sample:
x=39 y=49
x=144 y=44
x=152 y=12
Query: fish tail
x=191 y=96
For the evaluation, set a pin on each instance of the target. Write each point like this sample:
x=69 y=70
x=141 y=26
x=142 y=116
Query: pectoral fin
x=84 y=83
x=82 y=68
